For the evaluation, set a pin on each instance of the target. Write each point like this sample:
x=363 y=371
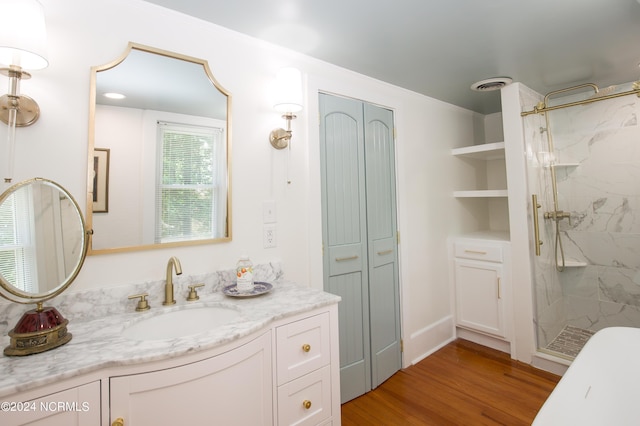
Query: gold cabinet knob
x=118 y=422
x=306 y=404
x=306 y=347
x=193 y=294
x=142 y=305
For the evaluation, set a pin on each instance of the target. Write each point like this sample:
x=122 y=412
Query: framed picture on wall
x=101 y=180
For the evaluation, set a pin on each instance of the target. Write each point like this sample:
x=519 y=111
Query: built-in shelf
x=483 y=180
x=565 y=165
x=487 y=151
x=568 y=263
x=487 y=234
x=573 y=263
x=482 y=193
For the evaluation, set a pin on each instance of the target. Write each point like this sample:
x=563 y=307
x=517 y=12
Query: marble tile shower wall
x=602 y=193
x=99 y=303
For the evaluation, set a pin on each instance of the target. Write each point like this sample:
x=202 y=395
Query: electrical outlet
x=269 y=236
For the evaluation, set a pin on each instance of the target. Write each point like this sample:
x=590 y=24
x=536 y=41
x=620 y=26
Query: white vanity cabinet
x=481 y=284
x=303 y=371
x=76 y=406
x=233 y=388
x=286 y=372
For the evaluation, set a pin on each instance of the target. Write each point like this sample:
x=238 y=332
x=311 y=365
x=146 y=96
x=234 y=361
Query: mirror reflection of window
x=189 y=182
x=17 y=245
x=43 y=240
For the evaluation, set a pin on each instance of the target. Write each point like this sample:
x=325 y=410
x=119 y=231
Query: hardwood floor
x=461 y=384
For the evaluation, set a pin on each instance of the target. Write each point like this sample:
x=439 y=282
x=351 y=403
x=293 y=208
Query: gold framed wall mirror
x=159 y=153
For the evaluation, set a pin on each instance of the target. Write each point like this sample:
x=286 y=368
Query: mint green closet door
x=359 y=237
x=382 y=241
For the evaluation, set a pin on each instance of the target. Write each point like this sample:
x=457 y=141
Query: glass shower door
x=587 y=276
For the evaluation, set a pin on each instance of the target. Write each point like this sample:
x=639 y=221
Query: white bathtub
x=602 y=385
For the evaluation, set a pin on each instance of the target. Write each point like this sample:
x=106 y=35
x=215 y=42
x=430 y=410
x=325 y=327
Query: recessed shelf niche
x=482 y=183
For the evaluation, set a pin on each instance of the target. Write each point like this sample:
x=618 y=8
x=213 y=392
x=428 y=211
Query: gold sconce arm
x=16 y=111
x=14 y=107
x=288 y=92
x=280 y=138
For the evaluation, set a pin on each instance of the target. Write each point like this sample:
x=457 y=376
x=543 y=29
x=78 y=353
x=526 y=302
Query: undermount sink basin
x=180 y=323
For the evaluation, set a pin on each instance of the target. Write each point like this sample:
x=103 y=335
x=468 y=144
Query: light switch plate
x=269 y=211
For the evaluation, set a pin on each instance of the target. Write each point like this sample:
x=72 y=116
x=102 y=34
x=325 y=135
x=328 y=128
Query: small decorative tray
x=258 y=289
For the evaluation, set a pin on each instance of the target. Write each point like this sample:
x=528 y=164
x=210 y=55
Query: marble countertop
x=99 y=344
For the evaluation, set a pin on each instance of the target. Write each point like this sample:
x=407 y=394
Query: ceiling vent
x=489 y=84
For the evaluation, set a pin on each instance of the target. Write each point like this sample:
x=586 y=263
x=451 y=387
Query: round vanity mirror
x=43 y=244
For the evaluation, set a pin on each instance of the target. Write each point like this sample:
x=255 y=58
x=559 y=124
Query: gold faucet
x=168 y=287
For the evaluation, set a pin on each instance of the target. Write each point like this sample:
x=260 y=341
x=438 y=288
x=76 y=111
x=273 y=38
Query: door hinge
x=401 y=346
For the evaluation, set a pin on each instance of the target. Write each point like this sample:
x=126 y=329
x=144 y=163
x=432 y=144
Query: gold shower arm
x=542 y=106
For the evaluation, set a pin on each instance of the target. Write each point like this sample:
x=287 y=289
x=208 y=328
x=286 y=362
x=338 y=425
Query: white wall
x=120 y=131
x=88 y=33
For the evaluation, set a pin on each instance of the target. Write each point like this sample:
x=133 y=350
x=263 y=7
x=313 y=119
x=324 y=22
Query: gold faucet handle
x=143 y=304
x=193 y=294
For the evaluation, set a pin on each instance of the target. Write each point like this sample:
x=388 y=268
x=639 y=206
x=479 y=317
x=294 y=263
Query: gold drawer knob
x=306 y=404
x=118 y=422
x=306 y=347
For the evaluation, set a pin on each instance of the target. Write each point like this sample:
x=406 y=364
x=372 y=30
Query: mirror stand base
x=39 y=330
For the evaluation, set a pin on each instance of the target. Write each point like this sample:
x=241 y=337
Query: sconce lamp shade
x=23 y=34
x=288 y=90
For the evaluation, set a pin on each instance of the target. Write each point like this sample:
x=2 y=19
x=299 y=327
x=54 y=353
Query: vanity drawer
x=302 y=346
x=478 y=251
x=307 y=400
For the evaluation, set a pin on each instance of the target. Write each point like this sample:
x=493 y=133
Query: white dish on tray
x=258 y=289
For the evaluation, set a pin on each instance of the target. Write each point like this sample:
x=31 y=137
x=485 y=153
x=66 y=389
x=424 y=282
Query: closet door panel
x=344 y=236
x=382 y=243
x=360 y=238
x=353 y=335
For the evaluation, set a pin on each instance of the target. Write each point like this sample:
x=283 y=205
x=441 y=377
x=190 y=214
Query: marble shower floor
x=570 y=341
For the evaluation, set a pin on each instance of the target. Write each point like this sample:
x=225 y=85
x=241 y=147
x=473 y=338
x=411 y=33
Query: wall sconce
x=288 y=100
x=23 y=40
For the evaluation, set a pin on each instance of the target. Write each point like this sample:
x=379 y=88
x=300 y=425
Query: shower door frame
x=542 y=167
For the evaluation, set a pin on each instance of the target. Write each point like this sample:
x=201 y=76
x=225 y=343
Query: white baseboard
x=484 y=340
x=550 y=363
x=427 y=340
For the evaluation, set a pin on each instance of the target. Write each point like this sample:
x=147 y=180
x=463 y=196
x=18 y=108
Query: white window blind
x=189 y=180
x=17 y=250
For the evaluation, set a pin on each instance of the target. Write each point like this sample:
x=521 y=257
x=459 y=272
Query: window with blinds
x=17 y=245
x=189 y=179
